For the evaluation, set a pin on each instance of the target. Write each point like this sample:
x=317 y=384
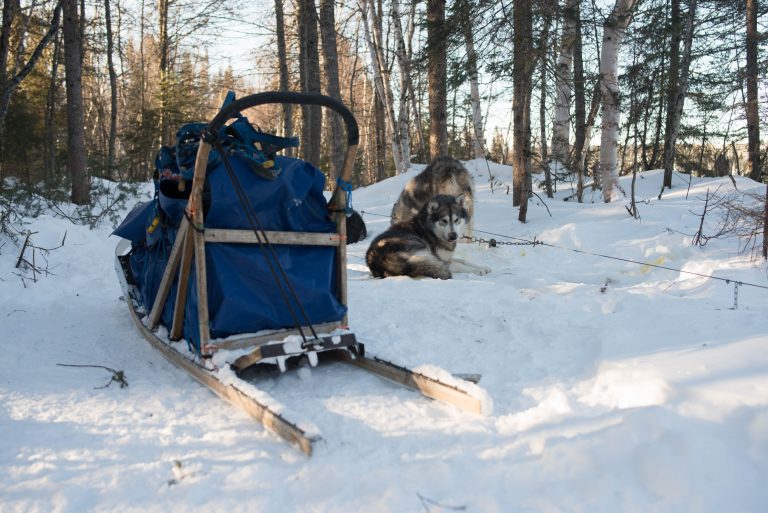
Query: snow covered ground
x=617 y=387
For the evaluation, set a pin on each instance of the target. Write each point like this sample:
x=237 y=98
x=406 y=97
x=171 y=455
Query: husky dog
x=356 y=230
x=424 y=245
x=445 y=175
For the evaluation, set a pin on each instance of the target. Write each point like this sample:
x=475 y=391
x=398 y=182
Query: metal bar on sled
x=345 y=342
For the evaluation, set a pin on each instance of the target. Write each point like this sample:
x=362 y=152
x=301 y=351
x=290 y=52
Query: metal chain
x=735 y=295
x=492 y=243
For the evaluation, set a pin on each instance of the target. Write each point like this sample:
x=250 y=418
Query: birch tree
x=465 y=10
x=406 y=86
x=563 y=85
x=382 y=79
x=614 y=29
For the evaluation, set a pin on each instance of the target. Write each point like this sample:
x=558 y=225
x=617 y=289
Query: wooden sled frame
x=189 y=245
x=191 y=242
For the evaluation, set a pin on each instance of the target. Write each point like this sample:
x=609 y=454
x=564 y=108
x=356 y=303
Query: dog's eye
x=443 y=221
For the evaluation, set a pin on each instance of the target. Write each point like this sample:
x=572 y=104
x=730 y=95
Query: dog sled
x=239 y=260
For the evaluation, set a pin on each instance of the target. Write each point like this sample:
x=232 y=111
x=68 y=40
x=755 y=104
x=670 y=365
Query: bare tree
x=331 y=69
x=521 y=105
x=282 y=58
x=465 y=10
x=678 y=88
x=112 y=90
x=382 y=78
x=73 y=66
x=563 y=82
x=309 y=60
x=436 y=78
x=406 y=86
x=751 y=71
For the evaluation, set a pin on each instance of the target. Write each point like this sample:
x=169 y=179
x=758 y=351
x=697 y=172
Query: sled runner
x=239 y=260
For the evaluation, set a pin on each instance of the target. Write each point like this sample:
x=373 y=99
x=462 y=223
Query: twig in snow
x=426 y=501
x=118 y=376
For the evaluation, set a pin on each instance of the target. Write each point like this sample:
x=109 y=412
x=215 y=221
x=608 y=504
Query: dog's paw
x=482 y=270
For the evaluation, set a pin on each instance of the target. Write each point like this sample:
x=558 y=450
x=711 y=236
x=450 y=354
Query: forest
x=567 y=92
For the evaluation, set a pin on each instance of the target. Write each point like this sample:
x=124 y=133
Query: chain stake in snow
x=735 y=294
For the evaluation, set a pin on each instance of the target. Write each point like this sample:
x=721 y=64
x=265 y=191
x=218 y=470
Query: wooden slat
x=274 y=237
x=195 y=210
x=338 y=203
x=168 y=274
x=271 y=420
x=256 y=340
x=426 y=386
x=177 y=326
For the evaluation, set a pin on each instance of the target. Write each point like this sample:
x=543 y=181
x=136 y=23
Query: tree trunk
x=309 y=59
x=675 y=108
x=73 y=66
x=464 y=10
x=561 y=131
x=550 y=7
x=331 y=68
x=282 y=58
x=49 y=158
x=382 y=78
x=522 y=84
x=164 y=49
x=112 y=92
x=614 y=29
x=380 y=147
x=751 y=70
x=673 y=85
x=579 y=113
x=436 y=78
x=406 y=87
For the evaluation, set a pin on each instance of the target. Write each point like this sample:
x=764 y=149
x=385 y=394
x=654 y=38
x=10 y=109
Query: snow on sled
x=239 y=260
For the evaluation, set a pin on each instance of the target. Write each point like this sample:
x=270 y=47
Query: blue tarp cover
x=242 y=294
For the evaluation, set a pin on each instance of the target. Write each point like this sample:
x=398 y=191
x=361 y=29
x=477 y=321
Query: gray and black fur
x=445 y=175
x=424 y=245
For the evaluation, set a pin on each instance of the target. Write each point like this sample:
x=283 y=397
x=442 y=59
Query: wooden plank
x=168 y=274
x=256 y=340
x=195 y=210
x=274 y=237
x=177 y=326
x=201 y=280
x=423 y=384
x=247 y=360
x=268 y=418
x=341 y=263
x=338 y=203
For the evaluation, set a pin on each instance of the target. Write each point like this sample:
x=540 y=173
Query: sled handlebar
x=254 y=100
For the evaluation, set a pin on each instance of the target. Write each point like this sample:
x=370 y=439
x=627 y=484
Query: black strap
x=269 y=253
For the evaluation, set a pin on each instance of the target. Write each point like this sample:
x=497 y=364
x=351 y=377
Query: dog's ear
x=460 y=200
x=432 y=206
